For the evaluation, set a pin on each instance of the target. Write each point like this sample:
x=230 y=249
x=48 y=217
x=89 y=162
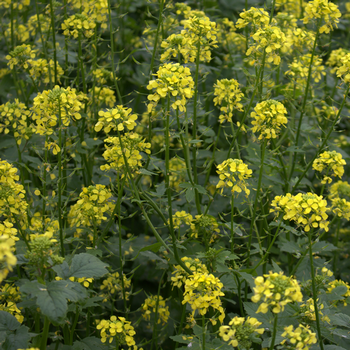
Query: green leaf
x=62 y=270
x=153 y=247
x=17 y=340
x=146 y=172
x=160 y=189
x=8 y=322
x=185 y=185
x=190 y=194
x=333 y=347
x=340 y=320
x=91 y=143
x=179 y=339
x=89 y=343
x=88 y=266
x=200 y=189
x=249 y=278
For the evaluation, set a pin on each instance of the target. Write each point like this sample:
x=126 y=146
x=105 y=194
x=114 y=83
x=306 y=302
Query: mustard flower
x=48 y=105
x=173 y=80
x=335 y=57
x=269 y=117
x=301 y=338
x=323 y=10
x=33 y=26
x=340 y=198
x=182 y=8
x=39 y=70
x=337 y=283
x=15 y=118
x=12 y=309
x=20 y=57
x=92 y=206
x=18 y=4
x=120 y=328
x=102 y=96
x=270 y=39
x=20 y=33
x=233 y=174
x=240 y=330
x=299 y=68
x=343 y=71
x=256 y=17
x=78 y=24
x=7 y=258
x=275 y=292
x=202 y=291
x=308 y=309
x=332 y=163
x=112 y=285
x=205 y=223
x=150 y=306
x=290 y=6
x=298 y=39
x=227 y=95
x=307 y=210
x=132 y=144
x=7 y=229
x=180 y=218
x=180 y=275
x=177 y=172
x=102 y=75
x=9 y=293
x=119 y=118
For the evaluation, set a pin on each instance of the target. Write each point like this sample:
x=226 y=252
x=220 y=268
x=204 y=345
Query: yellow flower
x=308 y=309
x=340 y=198
x=269 y=117
x=275 y=291
x=150 y=305
x=112 y=285
x=338 y=283
x=330 y=162
x=257 y=17
x=239 y=331
x=21 y=56
x=12 y=309
x=344 y=70
x=335 y=58
x=102 y=96
x=177 y=172
x=299 y=338
x=79 y=24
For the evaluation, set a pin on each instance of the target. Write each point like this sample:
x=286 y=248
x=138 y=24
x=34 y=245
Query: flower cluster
x=102 y=75
x=7 y=258
x=157 y=305
x=20 y=56
x=79 y=24
x=337 y=283
x=40 y=70
x=120 y=328
x=102 y=95
x=340 y=198
x=233 y=174
x=344 y=70
x=308 y=309
x=256 y=17
x=299 y=69
x=49 y=105
x=202 y=291
x=132 y=144
x=177 y=172
x=275 y=291
x=335 y=58
x=118 y=118
x=332 y=162
x=19 y=4
x=181 y=275
x=307 y=210
x=298 y=39
x=270 y=39
x=206 y=223
x=9 y=292
x=181 y=217
x=15 y=116
x=300 y=338
x=322 y=10
x=12 y=309
x=93 y=204
x=227 y=95
x=112 y=285
x=269 y=117
x=240 y=330
x=173 y=80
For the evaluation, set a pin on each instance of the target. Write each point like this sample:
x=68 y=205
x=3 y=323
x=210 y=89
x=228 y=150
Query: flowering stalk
x=314 y=294
x=45 y=334
x=274 y=332
x=204 y=332
x=53 y=41
x=60 y=176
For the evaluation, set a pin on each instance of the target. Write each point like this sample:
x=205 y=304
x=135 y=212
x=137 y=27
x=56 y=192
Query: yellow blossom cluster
x=305 y=209
x=228 y=96
x=101 y=96
x=7 y=246
x=300 y=338
x=203 y=290
x=332 y=163
x=9 y=293
x=173 y=80
x=49 y=105
x=298 y=39
x=12 y=194
x=40 y=70
x=20 y=57
x=120 y=328
x=180 y=275
x=275 y=291
x=18 y=4
x=12 y=309
x=20 y=33
x=112 y=285
x=177 y=172
x=308 y=309
x=132 y=144
x=205 y=223
x=269 y=39
x=93 y=204
x=102 y=75
x=269 y=117
x=340 y=198
x=344 y=70
x=335 y=58
x=299 y=69
x=240 y=330
x=33 y=26
x=14 y=117
x=322 y=10
x=290 y=6
x=119 y=118
x=77 y=25
x=181 y=217
x=337 y=283
x=155 y=304
x=256 y=17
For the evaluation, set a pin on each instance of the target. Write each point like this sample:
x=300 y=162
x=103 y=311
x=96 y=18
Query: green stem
x=75 y=322
x=53 y=40
x=212 y=156
x=45 y=334
x=232 y=217
x=335 y=258
x=274 y=332
x=60 y=177
x=204 y=332
x=314 y=294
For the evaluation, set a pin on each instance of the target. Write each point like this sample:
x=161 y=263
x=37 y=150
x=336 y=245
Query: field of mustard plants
x=174 y=174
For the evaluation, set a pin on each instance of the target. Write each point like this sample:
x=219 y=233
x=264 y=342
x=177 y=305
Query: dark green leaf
x=8 y=322
x=190 y=194
x=17 y=339
x=89 y=343
x=340 y=320
x=88 y=266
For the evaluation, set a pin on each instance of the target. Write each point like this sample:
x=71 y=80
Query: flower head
x=155 y=304
x=337 y=283
x=344 y=69
x=112 y=285
x=256 y=17
x=79 y=24
x=21 y=56
x=300 y=338
x=275 y=291
x=332 y=163
x=335 y=58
